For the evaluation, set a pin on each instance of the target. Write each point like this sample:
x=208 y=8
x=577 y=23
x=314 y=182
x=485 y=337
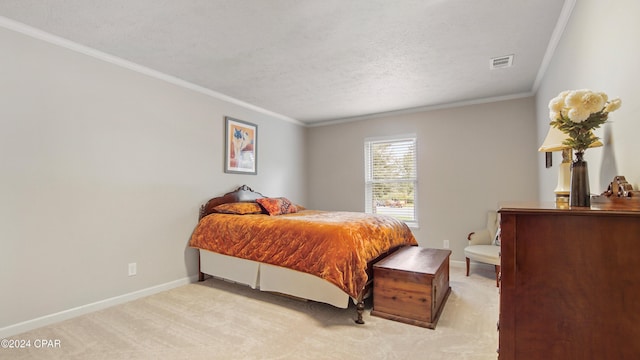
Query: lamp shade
x=554 y=141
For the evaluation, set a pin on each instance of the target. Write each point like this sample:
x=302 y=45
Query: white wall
x=469 y=159
x=101 y=166
x=599 y=50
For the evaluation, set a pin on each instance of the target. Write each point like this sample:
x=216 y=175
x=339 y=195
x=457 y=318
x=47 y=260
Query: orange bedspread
x=335 y=246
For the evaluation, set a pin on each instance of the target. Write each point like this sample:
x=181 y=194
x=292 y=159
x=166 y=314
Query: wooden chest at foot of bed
x=412 y=286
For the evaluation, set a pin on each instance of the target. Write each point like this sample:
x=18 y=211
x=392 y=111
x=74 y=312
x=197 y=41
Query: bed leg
x=360 y=311
x=200 y=273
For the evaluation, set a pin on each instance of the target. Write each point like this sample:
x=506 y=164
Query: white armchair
x=484 y=244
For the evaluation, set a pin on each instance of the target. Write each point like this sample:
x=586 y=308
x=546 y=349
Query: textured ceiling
x=317 y=61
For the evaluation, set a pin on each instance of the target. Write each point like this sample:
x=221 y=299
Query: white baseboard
x=28 y=325
x=457 y=263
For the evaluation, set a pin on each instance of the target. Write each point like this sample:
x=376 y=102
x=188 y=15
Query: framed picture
x=241 y=139
x=548 y=159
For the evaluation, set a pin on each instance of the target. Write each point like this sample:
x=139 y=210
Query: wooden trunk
x=412 y=286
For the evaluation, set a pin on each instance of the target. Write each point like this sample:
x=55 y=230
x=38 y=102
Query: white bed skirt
x=272 y=278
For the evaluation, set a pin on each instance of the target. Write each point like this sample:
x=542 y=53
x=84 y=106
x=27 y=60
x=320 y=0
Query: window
x=391 y=177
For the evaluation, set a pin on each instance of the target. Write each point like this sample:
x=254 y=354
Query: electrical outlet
x=445 y=244
x=133 y=269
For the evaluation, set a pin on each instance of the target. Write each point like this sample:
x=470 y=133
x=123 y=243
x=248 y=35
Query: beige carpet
x=219 y=320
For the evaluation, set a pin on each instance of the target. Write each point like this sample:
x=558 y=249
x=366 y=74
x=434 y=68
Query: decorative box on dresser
x=570 y=282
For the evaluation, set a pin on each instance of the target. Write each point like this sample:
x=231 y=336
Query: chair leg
x=497 y=275
x=468 y=266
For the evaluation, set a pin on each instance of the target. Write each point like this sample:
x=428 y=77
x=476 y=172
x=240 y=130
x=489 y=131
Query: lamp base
x=562 y=200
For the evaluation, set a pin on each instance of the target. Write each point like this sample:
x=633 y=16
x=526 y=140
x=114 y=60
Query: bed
x=273 y=245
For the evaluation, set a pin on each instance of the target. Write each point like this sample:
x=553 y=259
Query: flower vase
x=580 y=194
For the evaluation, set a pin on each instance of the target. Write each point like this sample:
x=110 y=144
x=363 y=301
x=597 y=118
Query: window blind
x=391 y=177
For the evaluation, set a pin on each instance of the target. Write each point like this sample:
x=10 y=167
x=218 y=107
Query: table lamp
x=554 y=142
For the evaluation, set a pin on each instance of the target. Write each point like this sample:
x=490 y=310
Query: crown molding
x=563 y=20
x=422 y=109
x=62 y=42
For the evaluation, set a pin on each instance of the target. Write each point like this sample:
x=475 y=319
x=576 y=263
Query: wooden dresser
x=570 y=282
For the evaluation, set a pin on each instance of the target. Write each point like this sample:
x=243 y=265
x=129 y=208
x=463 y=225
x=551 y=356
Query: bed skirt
x=266 y=277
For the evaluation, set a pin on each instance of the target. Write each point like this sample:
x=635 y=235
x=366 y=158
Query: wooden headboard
x=241 y=194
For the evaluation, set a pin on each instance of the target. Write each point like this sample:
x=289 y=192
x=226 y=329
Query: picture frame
x=548 y=159
x=241 y=150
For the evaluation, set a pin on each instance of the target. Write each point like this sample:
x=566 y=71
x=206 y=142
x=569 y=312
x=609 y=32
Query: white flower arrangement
x=578 y=112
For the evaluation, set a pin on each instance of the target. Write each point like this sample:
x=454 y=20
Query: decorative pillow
x=277 y=206
x=496 y=241
x=239 y=208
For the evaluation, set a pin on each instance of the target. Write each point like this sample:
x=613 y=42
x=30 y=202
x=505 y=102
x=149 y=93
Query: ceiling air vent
x=501 y=62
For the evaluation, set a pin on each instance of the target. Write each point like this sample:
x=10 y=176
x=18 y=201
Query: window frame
x=369 y=181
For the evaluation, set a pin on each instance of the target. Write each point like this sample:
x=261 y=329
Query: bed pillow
x=239 y=208
x=496 y=240
x=277 y=206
